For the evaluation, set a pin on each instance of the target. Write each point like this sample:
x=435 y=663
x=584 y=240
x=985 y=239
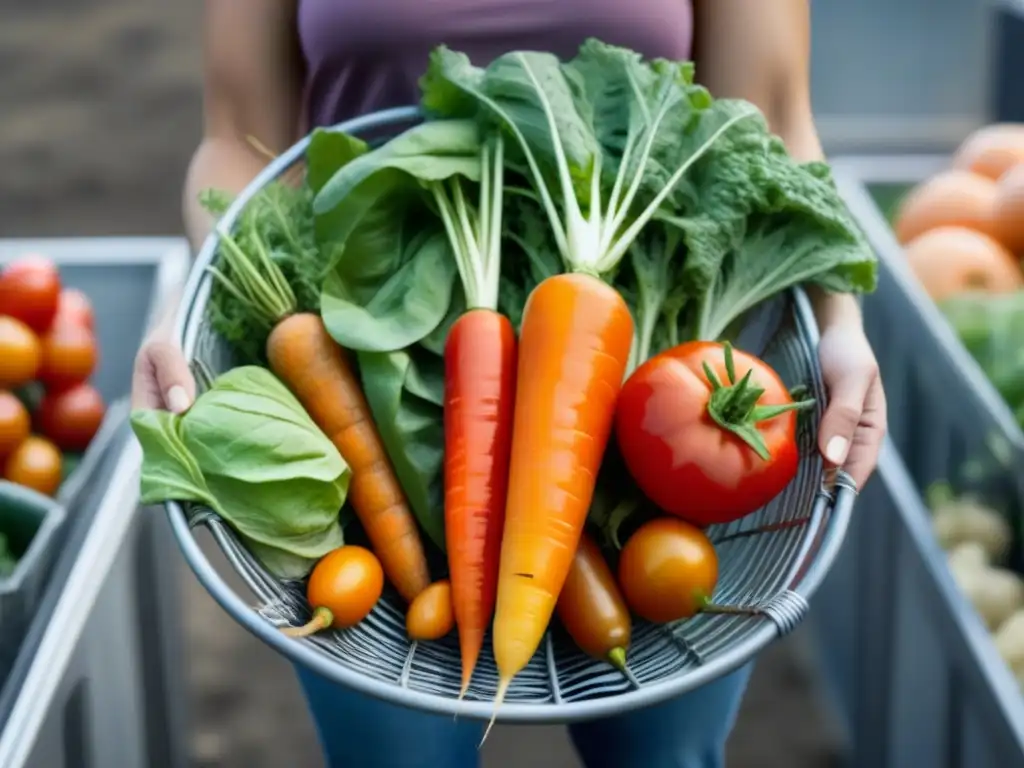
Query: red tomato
x=29 y=288
x=14 y=423
x=20 y=353
x=35 y=464
x=69 y=356
x=74 y=308
x=71 y=417
x=707 y=447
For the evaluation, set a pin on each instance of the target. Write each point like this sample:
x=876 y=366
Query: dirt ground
x=100 y=112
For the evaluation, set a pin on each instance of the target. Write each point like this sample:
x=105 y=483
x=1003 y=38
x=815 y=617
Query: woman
x=275 y=68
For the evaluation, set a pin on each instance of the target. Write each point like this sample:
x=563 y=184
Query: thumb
x=842 y=416
x=173 y=379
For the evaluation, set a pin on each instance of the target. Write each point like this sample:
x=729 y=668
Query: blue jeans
x=360 y=732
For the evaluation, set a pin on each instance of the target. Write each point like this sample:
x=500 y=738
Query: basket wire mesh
x=772 y=560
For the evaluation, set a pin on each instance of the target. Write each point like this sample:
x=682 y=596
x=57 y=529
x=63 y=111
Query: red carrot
x=480 y=368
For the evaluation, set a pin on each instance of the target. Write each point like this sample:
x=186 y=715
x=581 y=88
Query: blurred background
x=99 y=113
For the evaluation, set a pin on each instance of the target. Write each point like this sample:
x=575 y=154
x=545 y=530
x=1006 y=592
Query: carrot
x=303 y=355
x=592 y=609
x=573 y=350
x=480 y=359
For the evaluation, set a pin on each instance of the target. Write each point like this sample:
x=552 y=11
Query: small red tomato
x=71 y=417
x=14 y=423
x=20 y=353
x=35 y=464
x=29 y=289
x=74 y=308
x=667 y=570
x=69 y=356
x=708 y=433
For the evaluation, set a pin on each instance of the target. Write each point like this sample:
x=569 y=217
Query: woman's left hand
x=854 y=423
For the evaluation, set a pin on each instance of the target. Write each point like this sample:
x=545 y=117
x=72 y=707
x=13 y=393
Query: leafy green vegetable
x=626 y=156
x=992 y=329
x=392 y=277
x=8 y=562
x=278 y=220
x=248 y=450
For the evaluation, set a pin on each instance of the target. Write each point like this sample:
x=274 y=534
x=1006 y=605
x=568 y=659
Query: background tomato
x=74 y=308
x=36 y=464
x=702 y=450
x=29 y=289
x=14 y=423
x=667 y=570
x=71 y=417
x=69 y=356
x=20 y=353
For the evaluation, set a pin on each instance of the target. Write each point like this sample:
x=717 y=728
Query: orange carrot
x=303 y=355
x=573 y=350
x=479 y=383
x=315 y=368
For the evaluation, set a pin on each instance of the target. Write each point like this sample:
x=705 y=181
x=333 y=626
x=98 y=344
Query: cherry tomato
x=69 y=356
x=20 y=353
x=15 y=423
x=591 y=607
x=667 y=570
x=35 y=464
x=708 y=447
x=71 y=417
x=74 y=308
x=431 y=615
x=343 y=588
x=29 y=288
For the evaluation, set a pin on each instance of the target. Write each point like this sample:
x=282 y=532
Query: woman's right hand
x=161 y=379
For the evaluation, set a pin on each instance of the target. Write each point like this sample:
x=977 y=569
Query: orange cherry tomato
x=431 y=615
x=20 y=353
x=35 y=464
x=74 y=308
x=343 y=588
x=71 y=417
x=29 y=289
x=667 y=570
x=69 y=356
x=15 y=423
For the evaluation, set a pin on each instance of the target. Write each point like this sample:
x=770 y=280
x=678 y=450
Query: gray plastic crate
x=30 y=523
x=908 y=662
x=98 y=681
x=914 y=672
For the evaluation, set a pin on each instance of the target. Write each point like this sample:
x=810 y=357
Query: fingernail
x=835 y=451
x=177 y=399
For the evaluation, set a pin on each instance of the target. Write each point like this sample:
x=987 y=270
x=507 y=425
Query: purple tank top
x=365 y=55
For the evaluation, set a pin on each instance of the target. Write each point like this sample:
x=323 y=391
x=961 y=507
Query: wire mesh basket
x=772 y=560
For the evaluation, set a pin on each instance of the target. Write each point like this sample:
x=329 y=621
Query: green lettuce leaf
x=247 y=450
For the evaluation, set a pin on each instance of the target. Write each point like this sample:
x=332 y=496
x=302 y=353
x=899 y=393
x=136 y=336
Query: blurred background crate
x=97 y=681
x=29 y=523
x=909 y=662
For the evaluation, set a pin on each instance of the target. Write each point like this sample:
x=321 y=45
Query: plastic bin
x=912 y=668
x=98 y=680
x=908 y=662
x=29 y=522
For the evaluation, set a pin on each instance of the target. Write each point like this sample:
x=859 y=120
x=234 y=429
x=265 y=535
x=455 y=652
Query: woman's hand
x=854 y=423
x=161 y=379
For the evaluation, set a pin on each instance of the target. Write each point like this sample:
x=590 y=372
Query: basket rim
x=822 y=539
